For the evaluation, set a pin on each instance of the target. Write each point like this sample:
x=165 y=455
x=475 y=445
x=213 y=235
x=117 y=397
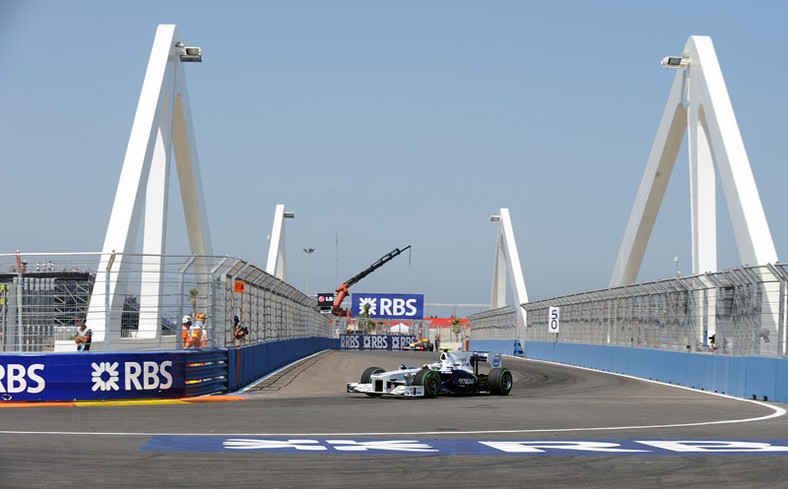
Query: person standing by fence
x=84 y=336
x=186 y=324
x=196 y=337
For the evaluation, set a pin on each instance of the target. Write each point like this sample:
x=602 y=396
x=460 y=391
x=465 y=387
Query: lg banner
x=388 y=306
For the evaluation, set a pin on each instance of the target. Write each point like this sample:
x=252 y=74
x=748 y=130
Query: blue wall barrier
x=119 y=375
x=249 y=363
x=747 y=377
x=506 y=347
x=205 y=372
x=375 y=341
x=144 y=375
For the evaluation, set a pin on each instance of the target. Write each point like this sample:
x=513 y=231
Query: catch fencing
x=495 y=324
x=136 y=302
x=741 y=311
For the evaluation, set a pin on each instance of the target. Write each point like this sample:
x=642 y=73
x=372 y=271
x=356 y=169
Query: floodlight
x=675 y=62
x=189 y=53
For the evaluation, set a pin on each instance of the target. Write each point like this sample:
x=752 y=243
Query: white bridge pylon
x=162 y=126
x=698 y=104
x=276 y=264
x=507 y=264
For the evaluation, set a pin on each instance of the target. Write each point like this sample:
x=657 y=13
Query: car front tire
x=430 y=380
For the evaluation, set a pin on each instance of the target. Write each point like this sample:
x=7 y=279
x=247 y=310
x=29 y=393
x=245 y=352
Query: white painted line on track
x=777 y=412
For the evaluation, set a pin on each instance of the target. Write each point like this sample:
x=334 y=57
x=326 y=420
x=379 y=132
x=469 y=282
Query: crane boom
x=342 y=290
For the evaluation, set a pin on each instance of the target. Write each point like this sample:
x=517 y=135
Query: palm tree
x=365 y=316
x=455 y=326
x=193 y=293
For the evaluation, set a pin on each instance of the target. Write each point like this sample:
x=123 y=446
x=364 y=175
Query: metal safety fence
x=741 y=311
x=495 y=324
x=137 y=302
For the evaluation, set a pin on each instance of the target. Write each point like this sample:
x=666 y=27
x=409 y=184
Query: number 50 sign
x=552 y=326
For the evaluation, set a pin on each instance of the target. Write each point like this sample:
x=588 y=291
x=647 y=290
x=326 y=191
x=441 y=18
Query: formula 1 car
x=454 y=373
x=421 y=345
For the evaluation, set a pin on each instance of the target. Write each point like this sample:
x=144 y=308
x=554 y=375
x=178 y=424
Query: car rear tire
x=500 y=381
x=430 y=380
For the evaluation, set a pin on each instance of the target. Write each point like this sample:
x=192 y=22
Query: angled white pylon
x=276 y=264
x=162 y=125
x=507 y=263
x=698 y=104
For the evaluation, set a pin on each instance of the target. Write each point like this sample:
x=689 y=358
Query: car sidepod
x=459 y=382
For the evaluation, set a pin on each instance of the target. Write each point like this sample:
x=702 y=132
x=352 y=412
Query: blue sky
x=389 y=124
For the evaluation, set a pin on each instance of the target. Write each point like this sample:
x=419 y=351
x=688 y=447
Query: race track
x=560 y=427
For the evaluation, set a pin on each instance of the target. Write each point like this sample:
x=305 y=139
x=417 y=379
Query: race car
x=454 y=373
x=421 y=345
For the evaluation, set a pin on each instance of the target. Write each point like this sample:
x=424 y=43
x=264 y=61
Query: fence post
x=19 y=305
x=108 y=302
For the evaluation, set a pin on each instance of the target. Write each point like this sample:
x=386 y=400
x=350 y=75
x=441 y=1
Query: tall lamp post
x=308 y=252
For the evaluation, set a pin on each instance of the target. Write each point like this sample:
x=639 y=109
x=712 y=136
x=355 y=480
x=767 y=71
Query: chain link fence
x=136 y=302
x=741 y=311
x=496 y=324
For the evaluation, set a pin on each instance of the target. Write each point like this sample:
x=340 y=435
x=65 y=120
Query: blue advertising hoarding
x=388 y=306
x=374 y=342
x=86 y=376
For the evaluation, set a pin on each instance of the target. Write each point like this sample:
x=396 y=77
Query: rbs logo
x=375 y=343
x=137 y=376
x=389 y=306
x=16 y=378
x=349 y=342
x=148 y=376
x=398 y=307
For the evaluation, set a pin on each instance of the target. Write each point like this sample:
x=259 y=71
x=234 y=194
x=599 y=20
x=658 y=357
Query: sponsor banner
x=374 y=341
x=432 y=446
x=388 y=306
x=325 y=299
x=88 y=376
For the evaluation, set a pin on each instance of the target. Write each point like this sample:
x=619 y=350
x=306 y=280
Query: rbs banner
x=83 y=376
x=389 y=306
x=374 y=342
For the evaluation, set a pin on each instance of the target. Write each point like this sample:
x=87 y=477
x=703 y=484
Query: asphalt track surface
x=185 y=444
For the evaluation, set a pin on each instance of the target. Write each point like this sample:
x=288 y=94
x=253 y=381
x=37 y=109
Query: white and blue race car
x=454 y=373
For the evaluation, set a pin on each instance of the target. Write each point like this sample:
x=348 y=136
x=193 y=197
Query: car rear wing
x=493 y=359
x=472 y=358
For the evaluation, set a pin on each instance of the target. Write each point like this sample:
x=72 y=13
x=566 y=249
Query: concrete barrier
x=759 y=378
x=249 y=363
x=506 y=347
x=112 y=375
x=146 y=375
